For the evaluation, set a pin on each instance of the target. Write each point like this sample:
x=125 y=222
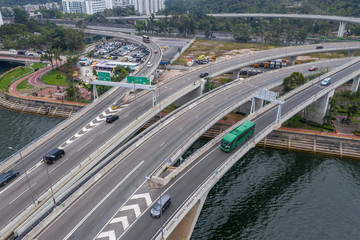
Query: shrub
x=314 y=124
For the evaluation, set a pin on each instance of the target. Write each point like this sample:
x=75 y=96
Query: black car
x=111 y=118
x=319 y=47
x=204 y=74
x=8 y=176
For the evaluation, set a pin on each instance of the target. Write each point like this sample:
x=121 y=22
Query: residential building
x=86 y=6
x=146 y=7
x=1 y=19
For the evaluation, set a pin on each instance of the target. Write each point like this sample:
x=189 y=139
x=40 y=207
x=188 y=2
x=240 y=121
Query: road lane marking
x=162 y=144
x=124 y=221
x=143 y=195
x=108 y=234
x=85 y=145
x=180 y=129
x=132 y=224
x=102 y=200
x=21 y=194
x=134 y=207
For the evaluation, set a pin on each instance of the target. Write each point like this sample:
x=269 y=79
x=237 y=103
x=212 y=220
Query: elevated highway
x=341 y=19
x=190 y=187
x=143 y=161
x=79 y=148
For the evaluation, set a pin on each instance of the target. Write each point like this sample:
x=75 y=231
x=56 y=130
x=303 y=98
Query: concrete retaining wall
x=53 y=109
x=305 y=142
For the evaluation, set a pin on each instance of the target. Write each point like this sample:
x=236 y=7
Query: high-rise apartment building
x=146 y=7
x=1 y=19
x=86 y=6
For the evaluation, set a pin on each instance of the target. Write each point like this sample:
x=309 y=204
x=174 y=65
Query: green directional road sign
x=138 y=80
x=104 y=76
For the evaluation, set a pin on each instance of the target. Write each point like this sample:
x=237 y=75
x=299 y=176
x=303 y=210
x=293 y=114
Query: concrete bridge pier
x=341 y=29
x=185 y=228
x=317 y=110
x=351 y=53
x=191 y=95
x=355 y=84
x=292 y=60
x=246 y=107
x=236 y=74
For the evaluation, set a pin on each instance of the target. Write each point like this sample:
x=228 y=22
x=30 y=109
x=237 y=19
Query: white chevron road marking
x=123 y=220
x=144 y=195
x=134 y=207
x=108 y=234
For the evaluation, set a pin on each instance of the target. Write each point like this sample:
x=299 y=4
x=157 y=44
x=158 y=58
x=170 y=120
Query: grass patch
x=12 y=76
x=329 y=55
x=50 y=78
x=219 y=48
x=38 y=65
x=169 y=108
x=24 y=85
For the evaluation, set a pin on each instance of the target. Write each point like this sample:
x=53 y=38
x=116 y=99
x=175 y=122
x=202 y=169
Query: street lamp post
x=52 y=192
x=27 y=177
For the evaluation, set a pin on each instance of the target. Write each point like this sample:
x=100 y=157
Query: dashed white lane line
x=21 y=194
x=102 y=200
x=84 y=145
x=180 y=129
x=162 y=144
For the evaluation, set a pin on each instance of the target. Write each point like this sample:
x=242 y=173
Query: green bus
x=237 y=136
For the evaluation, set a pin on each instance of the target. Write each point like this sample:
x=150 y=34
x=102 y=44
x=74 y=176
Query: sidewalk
x=342 y=135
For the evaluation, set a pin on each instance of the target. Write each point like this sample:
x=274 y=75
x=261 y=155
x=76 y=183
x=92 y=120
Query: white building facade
x=1 y=19
x=86 y=6
x=146 y=7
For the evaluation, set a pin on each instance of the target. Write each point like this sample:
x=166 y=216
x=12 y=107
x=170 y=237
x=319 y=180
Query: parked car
x=325 y=82
x=111 y=118
x=204 y=74
x=12 y=50
x=319 y=47
x=6 y=177
x=313 y=68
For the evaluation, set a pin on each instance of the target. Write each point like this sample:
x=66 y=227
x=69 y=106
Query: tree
x=294 y=80
x=20 y=16
x=120 y=72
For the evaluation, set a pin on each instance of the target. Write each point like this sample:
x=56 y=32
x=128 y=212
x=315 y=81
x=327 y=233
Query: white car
x=149 y=64
x=12 y=50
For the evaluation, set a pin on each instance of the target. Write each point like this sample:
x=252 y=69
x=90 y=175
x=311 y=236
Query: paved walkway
x=343 y=135
x=44 y=91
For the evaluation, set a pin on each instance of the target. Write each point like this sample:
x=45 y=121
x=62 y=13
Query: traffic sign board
x=138 y=80
x=104 y=76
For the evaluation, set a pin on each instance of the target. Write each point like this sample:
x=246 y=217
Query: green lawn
x=50 y=78
x=38 y=65
x=12 y=76
x=24 y=85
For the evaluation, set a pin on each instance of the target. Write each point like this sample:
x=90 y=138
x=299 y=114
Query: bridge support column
x=191 y=95
x=317 y=110
x=236 y=74
x=351 y=53
x=292 y=60
x=341 y=29
x=185 y=228
x=355 y=84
